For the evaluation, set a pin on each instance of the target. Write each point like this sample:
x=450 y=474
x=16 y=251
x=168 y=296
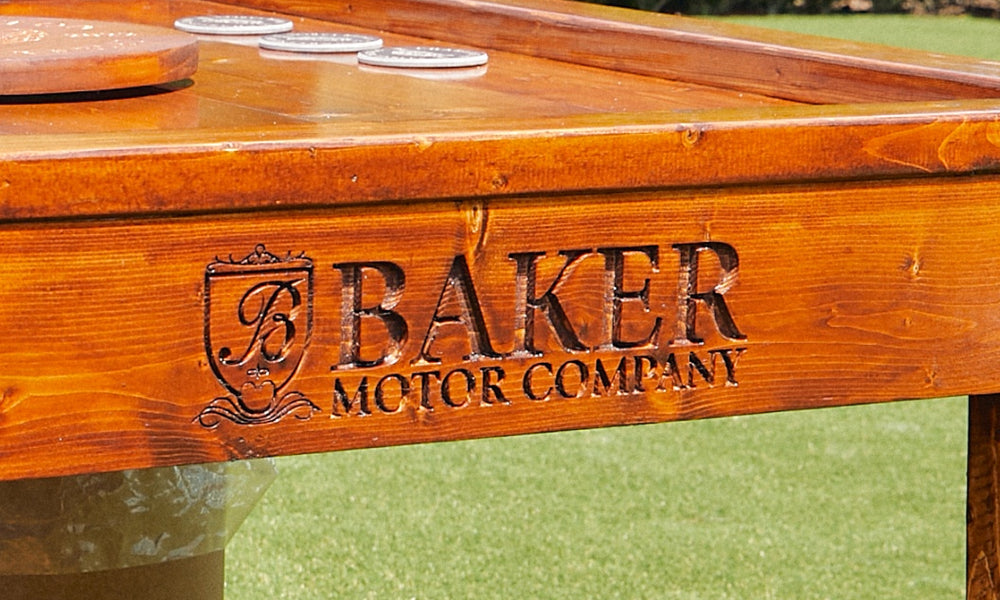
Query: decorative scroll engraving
x=258 y=324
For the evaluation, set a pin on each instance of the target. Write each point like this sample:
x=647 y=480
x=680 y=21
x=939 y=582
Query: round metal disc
x=233 y=25
x=318 y=42
x=422 y=57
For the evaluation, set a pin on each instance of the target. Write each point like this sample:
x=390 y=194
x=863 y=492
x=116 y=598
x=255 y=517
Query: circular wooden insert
x=49 y=56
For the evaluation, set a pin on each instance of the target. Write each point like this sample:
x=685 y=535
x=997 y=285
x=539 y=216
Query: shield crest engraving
x=258 y=325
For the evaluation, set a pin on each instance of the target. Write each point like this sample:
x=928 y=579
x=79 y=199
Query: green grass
x=965 y=36
x=861 y=502
x=864 y=502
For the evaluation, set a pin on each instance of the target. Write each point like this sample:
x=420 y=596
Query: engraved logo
x=258 y=323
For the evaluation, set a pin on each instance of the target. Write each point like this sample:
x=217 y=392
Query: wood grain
x=624 y=219
x=318 y=166
x=265 y=88
x=983 y=552
x=255 y=132
x=47 y=56
x=843 y=293
x=786 y=65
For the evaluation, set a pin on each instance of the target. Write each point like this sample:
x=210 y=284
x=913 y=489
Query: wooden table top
x=239 y=86
x=557 y=71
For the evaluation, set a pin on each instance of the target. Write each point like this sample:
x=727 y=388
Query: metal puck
x=422 y=57
x=320 y=42
x=233 y=25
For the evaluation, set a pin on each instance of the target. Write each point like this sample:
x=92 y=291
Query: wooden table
x=622 y=218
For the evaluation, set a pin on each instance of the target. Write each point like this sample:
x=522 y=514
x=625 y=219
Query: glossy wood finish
x=983 y=554
x=228 y=162
x=845 y=293
x=48 y=56
x=780 y=64
x=524 y=126
x=623 y=219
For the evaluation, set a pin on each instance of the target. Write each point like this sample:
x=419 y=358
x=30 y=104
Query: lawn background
x=860 y=502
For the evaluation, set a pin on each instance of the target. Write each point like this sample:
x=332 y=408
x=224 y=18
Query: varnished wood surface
x=786 y=65
x=47 y=56
x=842 y=294
x=152 y=171
x=982 y=543
x=560 y=231
x=258 y=89
x=625 y=219
x=322 y=131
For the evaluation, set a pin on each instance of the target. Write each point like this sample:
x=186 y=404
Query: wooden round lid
x=48 y=56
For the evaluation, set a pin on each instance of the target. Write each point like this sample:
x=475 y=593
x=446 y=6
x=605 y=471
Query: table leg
x=982 y=519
